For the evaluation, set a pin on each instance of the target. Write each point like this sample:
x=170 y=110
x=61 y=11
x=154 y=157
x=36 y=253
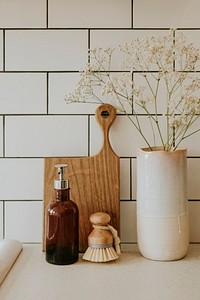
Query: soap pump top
x=61 y=183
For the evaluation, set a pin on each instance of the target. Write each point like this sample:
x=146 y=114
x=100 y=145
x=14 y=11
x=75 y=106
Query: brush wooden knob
x=100 y=236
x=101 y=240
x=100 y=218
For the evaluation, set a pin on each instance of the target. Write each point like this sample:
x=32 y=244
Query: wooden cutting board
x=94 y=181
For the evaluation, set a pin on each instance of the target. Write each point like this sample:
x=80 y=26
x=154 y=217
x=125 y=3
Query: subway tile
x=120 y=102
x=194 y=213
x=1 y=50
x=24 y=221
x=1 y=136
x=192 y=37
x=192 y=143
x=96 y=137
x=22 y=14
x=88 y=14
x=124 y=178
x=124 y=138
x=134 y=178
x=149 y=92
x=61 y=85
x=1 y=220
x=21 y=179
x=193 y=175
x=120 y=142
x=23 y=93
x=128 y=221
x=114 y=38
x=39 y=50
x=167 y=14
x=36 y=136
x=126 y=144
x=132 y=247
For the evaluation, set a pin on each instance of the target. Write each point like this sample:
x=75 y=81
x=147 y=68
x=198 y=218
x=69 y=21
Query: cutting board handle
x=105 y=115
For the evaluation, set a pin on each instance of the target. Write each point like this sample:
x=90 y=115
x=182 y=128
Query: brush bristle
x=100 y=254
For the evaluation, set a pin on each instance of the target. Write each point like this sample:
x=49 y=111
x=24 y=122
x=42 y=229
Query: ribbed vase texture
x=162 y=206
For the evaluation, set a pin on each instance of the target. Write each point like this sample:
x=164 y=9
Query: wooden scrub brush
x=101 y=240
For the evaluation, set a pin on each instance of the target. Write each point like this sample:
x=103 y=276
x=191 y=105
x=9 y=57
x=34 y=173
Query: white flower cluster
x=166 y=65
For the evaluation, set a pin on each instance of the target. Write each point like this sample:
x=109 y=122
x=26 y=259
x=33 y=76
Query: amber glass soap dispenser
x=62 y=222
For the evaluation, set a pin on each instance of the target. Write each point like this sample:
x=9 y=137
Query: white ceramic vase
x=162 y=206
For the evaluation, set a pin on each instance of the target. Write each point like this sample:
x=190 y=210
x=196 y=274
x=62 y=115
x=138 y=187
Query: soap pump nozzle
x=61 y=183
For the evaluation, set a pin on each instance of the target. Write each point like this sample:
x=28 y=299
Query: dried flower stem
x=170 y=63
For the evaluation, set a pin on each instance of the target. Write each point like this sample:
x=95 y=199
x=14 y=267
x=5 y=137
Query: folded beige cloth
x=9 y=251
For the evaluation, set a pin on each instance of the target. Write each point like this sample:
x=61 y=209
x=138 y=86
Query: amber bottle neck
x=61 y=195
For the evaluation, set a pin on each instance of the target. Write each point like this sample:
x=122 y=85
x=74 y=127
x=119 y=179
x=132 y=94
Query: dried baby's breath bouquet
x=156 y=79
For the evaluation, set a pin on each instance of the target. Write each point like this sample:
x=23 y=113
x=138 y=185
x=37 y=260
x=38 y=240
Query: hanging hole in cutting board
x=105 y=114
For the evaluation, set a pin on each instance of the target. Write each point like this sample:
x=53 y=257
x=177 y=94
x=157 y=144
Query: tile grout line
x=47 y=90
x=89 y=118
x=45 y=28
x=22 y=200
x=53 y=156
x=132 y=97
x=89 y=129
x=131 y=174
x=132 y=8
x=78 y=72
x=121 y=200
x=89 y=44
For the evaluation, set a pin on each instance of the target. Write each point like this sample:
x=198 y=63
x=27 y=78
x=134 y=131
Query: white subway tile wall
x=43 y=46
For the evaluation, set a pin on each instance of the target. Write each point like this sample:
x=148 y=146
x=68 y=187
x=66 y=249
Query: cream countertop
x=130 y=277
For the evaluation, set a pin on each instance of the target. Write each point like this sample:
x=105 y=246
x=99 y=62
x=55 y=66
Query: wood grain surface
x=94 y=181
